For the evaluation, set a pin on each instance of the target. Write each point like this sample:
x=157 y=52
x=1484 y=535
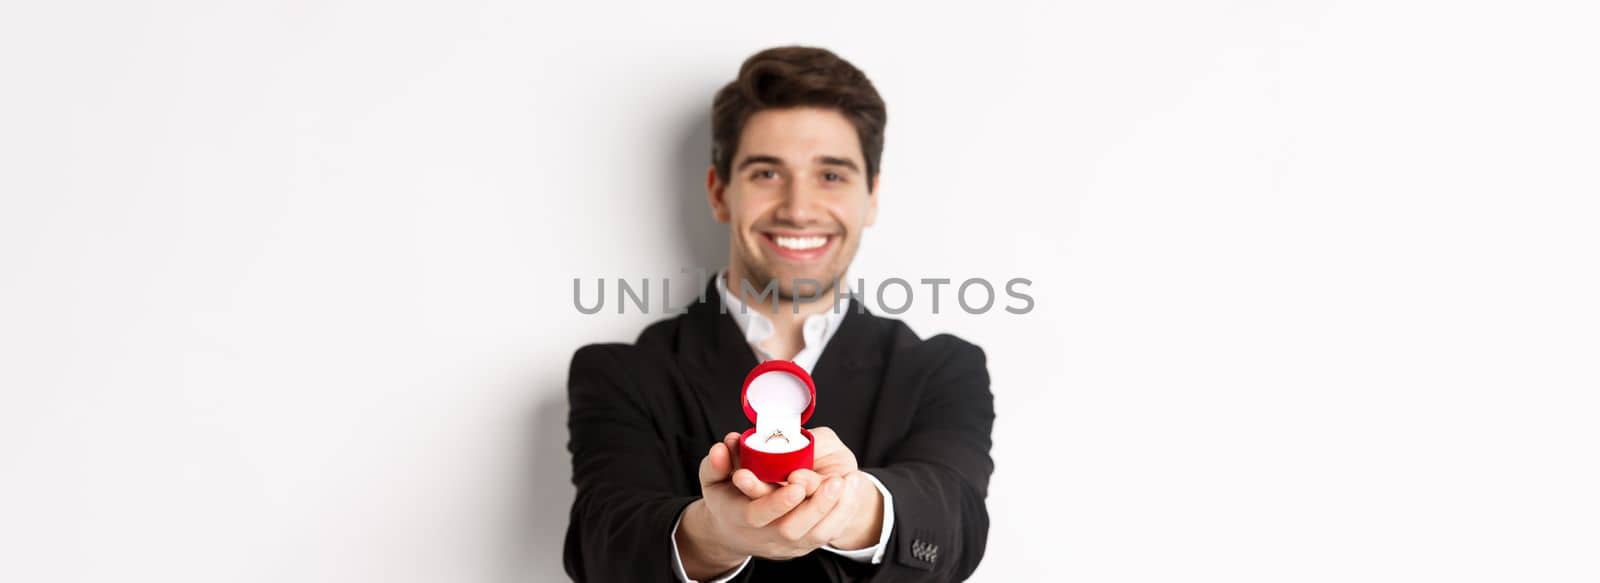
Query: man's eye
x=764 y=174
x=832 y=177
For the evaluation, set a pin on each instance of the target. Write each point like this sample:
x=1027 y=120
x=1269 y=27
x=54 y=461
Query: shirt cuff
x=872 y=554
x=677 y=561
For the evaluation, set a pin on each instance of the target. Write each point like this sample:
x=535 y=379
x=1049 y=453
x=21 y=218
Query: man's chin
x=802 y=287
x=806 y=288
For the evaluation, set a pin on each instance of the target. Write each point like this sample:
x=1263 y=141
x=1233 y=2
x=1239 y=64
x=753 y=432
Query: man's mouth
x=798 y=246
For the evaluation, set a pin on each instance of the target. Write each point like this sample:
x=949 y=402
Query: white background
x=285 y=288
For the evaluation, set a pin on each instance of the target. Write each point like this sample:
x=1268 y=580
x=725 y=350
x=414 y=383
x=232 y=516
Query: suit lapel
x=851 y=348
x=848 y=377
x=715 y=360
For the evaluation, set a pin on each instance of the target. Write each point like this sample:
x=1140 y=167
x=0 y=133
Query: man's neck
x=790 y=315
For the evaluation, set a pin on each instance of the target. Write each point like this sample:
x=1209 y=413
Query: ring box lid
x=781 y=391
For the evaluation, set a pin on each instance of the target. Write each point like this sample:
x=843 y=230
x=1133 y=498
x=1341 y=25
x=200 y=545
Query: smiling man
x=902 y=424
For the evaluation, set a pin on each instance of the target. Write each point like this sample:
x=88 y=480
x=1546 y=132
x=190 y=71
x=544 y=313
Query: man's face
x=796 y=199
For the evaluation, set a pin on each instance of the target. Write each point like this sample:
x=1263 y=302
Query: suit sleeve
x=622 y=518
x=939 y=474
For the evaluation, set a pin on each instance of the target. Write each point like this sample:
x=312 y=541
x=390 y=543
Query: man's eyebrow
x=757 y=159
x=834 y=161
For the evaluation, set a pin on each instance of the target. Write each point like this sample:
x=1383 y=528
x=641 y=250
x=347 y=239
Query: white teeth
x=800 y=243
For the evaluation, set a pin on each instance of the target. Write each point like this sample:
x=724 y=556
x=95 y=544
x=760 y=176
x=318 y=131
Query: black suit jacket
x=916 y=413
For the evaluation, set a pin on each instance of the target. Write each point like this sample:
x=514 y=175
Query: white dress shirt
x=816 y=331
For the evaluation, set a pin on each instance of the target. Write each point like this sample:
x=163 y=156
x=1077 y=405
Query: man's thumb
x=717 y=465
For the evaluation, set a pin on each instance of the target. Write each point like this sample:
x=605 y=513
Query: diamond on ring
x=777 y=434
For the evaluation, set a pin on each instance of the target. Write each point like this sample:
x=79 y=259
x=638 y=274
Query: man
x=902 y=425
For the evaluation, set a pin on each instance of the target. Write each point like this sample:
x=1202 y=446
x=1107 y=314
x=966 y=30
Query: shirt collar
x=757 y=328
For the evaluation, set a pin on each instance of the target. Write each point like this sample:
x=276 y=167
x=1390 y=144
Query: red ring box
x=785 y=391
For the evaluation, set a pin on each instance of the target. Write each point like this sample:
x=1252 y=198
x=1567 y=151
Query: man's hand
x=726 y=525
x=857 y=519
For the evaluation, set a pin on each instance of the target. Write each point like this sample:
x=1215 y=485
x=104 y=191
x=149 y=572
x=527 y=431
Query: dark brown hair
x=796 y=76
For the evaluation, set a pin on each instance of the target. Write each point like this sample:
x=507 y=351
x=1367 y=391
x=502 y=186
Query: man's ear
x=872 y=201
x=715 y=191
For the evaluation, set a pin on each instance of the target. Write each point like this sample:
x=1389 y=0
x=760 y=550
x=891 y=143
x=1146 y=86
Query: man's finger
x=833 y=524
x=810 y=479
x=731 y=440
x=747 y=482
x=823 y=432
x=716 y=466
x=766 y=509
x=794 y=525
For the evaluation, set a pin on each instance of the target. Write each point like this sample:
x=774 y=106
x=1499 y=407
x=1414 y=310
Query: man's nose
x=799 y=205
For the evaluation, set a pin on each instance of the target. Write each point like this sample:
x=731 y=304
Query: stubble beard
x=759 y=278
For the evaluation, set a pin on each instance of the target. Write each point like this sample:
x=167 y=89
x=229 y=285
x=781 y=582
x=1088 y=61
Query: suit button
x=924 y=550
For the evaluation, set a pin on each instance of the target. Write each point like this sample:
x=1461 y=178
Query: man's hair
x=796 y=76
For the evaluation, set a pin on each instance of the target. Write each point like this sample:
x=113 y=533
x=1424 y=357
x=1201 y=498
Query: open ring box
x=778 y=396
